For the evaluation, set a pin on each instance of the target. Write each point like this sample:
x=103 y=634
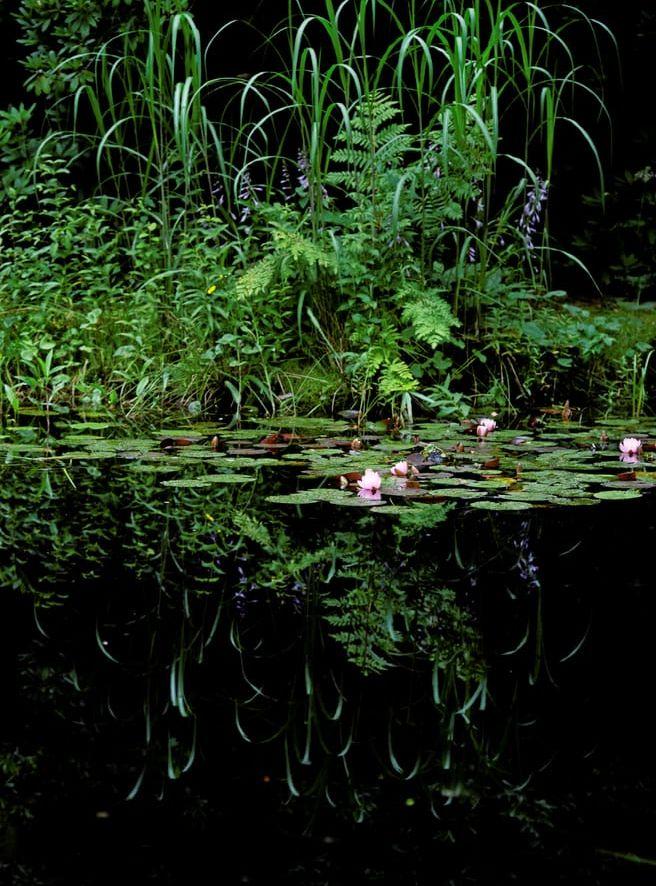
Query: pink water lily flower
x=485 y=427
x=400 y=469
x=630 y=449
x=370 y=484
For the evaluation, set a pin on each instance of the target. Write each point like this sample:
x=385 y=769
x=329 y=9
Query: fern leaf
x=396 y=378
x=429 y=315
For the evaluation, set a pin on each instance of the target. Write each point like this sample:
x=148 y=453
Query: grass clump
x=361 y=224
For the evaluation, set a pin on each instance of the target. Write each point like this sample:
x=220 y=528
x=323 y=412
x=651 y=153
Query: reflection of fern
x=429 y=315
x=374 y=144
x=361 y=620
x=376 y=623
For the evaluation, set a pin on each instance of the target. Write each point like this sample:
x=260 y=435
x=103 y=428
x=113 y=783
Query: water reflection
x=439 y=674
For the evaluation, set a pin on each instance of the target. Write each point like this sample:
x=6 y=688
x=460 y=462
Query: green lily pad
x=464 y=494
x=209 y=480
x=138 y=467
x=452 y=481
x=247 y=462
x=80 y=455
x=497 y=504
x=309 y=496
x=354 y=501
x=617 y=494
x=294 y=424
x=403 y=491
x=90 y=425
x=229 y=478
x=190 y=453
x=186 y=483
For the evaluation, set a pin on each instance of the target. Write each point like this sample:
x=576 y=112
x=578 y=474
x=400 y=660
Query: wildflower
x=485 y=427
x=248 y=196
x=219 y=193
x=212 y=289
x=530 y=218
x=286 y=183
x=370 y=484
x=400 y=469
x=303 y=167
x=630 y=449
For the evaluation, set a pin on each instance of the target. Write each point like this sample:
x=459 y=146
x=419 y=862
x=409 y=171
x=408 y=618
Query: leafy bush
x=207 y=262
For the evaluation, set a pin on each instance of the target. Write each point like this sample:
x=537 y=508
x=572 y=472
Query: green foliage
x=562 y=350
x=62 y=37
x=195 y=273
x=217 y=569
x=374 y=144
x=376 y=622
x=428 y=314
x=623 y=227
x=396 y=378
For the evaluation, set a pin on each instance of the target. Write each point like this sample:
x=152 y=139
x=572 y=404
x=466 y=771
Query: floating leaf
x=90 y=425
x=464 y=494
x=209 y=480
x=497 y=504
x=156 y=468
x=617 y=494
x=309 y=496
x=186 y=483
x=354 y=501
x=81 y=455
x=177 y=442
x=229 y=478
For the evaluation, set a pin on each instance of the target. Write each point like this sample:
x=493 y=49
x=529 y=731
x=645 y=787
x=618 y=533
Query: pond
x=219 y=649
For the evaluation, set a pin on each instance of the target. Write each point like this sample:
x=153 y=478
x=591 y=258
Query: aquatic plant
x=630 y=449
x=369 y=484
x=485 y=426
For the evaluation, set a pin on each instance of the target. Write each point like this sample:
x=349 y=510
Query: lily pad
x=229 y=478
x=153 y=468
x=464 y=494
x=497 y=504
x=209 y=480
x=187 y=483
x=309 y=496
x=354 y=501
x=81 y=455
x=617 y=494
x=90 y=425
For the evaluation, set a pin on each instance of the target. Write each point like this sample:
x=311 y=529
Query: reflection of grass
x=347 y=647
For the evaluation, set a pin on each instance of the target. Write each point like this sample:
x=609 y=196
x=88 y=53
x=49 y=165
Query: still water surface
x=201 y=671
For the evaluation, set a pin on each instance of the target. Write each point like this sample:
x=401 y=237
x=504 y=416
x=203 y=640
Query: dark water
x=195 y=679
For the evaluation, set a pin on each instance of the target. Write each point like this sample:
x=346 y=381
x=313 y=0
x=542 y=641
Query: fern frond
x=396 y=378
x=429 y=315
x=292 y=245
x=258 y=278
x=375 y=143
